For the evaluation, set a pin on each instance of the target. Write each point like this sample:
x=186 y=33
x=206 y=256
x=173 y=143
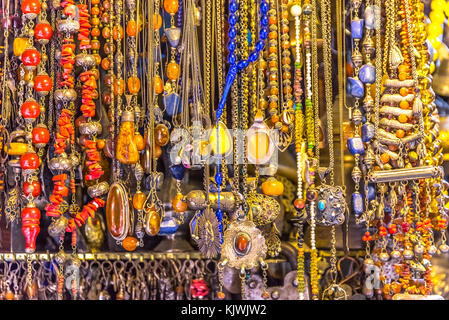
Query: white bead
x=295 y=10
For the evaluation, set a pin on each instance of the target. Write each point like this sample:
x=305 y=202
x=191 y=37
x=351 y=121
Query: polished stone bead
x=178 y=171
x=367 y=132
x=371 y=192
x=357 y=28
x=173 y=35
x=168 y=226
x=370 y=17
x=367 y=73
x=357 y=203
x=355 y=146
x=172 y=104
x=355 y=88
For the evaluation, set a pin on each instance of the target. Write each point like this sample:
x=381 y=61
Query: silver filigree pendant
x=331 y=205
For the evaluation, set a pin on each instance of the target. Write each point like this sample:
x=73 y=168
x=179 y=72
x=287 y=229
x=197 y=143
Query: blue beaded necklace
x=235 y=67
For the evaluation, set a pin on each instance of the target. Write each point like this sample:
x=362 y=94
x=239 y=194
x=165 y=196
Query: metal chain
x=326 y=20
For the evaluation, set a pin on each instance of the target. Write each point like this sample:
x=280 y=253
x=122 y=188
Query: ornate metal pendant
x=264 y=209
x=331 y=205
x=208 y=234
x=243 y=245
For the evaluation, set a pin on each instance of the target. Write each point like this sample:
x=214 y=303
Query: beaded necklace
x=235 y=67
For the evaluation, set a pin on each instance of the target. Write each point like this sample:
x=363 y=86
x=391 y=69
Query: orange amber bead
x=157 y=151
x=272 y=20
x=139 y=142
x=272 y=35
x=402 y=76
x=105 y=64
x=131 y=28
x=158 y=85
x=100 y=144
x=400 y=133
x=403 y=92
x=130 y=243
x=404 y=104
x=173 y=70
x=95 y=45
x=119 y=87
x=384 y=157
x=133 y=85
x=117 y=33
x=273 y=64
x=95 y=11
x=272 y=187
x=171 y=6
x=95 y=21
x=106 y=32
x=403 y=118
x=157 y=21
x=403 y=68
x=138 y=200
x=178 y=203
x=95 y=32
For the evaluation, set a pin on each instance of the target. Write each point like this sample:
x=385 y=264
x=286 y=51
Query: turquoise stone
x=321 y=205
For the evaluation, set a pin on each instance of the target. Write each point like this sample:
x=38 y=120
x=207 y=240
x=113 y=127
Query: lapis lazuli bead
x=355 y=88
x=172 y=104
x=232 y=59
x=259 y=45
x=367 y=73
x=253 y=56
x=263 y=33
x=264 y=7
x=232 y=32
x=178 y=171
x=231 y=45
x=357 y=203
x=357 y=28
x=218 y=178
x=321 y=205
x=232 y=20
x=243 y=64
x=355 y=146
x=367 y=132
x=264 y=21
x=233 y=6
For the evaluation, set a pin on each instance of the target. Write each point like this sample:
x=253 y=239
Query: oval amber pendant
x=259 y=147
x=117 y=212
x=152 y=222
x=225 y=139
